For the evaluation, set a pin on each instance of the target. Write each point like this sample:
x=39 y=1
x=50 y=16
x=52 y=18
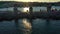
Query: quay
x=30 y=14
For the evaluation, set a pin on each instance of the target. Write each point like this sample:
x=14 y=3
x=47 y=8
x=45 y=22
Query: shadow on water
x=47 y=26
x=17 y=27
x=49 y=29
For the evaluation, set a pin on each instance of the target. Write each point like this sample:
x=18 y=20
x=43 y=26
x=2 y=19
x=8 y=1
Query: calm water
x=24 y=26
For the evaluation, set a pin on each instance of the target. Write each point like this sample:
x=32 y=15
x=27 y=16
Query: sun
x=26 y=9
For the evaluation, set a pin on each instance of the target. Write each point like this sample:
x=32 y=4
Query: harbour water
x=24 y=26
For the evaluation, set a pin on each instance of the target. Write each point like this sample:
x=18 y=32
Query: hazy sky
x=33 y=0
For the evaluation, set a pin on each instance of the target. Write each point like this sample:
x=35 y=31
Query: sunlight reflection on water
x=27 y=26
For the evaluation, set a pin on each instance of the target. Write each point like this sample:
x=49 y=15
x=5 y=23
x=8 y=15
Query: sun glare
x=26 y=9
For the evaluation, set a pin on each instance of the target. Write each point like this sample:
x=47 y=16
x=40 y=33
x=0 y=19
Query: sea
x=27 y=26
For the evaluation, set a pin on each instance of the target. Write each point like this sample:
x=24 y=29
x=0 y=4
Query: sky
x=33 y=0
